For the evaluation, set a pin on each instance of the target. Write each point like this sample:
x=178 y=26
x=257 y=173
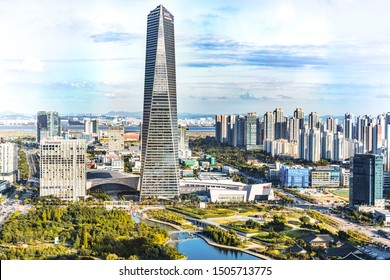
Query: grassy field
x=17 y=133
x=299 y=233
x=203 y=213
x=343 y=194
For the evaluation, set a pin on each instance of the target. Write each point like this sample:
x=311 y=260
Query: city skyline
x=324 y=56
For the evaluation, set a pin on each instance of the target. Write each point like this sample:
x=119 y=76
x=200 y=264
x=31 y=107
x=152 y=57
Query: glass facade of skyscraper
x=367 y=180
x=160 y=173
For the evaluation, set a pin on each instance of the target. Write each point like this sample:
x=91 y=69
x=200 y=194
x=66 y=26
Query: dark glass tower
x=366 y=183
x=160 y=172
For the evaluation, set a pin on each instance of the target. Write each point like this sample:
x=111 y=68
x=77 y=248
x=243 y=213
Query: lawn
x=344 y=194
x=299 y=233
x=203 y=213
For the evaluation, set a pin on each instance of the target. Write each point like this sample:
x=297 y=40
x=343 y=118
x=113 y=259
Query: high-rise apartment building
x=269 y=126
x=348 y=126
x=184 y=147
x=314 y=120
x=160 y=171
x=232 y=131
x=48 y=125
x=63 y=168
x=251 y=131
x=8 y=162
x=116 y=138
x=293 y=129
x=221 y=128
x=366 y=184
x=331 y=124
x=91 y=127
x=298 y=114
x=280 y=124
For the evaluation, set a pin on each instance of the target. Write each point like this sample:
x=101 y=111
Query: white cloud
x=109 y=94
x=29 y=64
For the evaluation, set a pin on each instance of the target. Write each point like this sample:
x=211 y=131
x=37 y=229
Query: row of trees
x=24 y=171
x=166 y=216
x=222 y=236
x=233 y=156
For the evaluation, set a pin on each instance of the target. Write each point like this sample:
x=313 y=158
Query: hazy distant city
x=277 y=157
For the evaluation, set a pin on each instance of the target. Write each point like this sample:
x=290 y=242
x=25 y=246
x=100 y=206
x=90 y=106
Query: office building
x=324 y=176
x=116 y=139
x=63 y=168
x=294 y=176
x=48 y=125
x=160 y=171
x=240 y=123
x=8 y=162
x=366 y=185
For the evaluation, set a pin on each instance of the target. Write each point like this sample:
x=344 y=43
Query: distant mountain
x=124 y=114
x=13 y=115
x=139 y=115
x=195 y=116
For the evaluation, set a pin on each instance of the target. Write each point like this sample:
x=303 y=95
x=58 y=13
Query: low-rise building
x=384 y=215
x=320 y=240
x=4 y=185
x=294 y=176
x=225 y=190
x=325 y=176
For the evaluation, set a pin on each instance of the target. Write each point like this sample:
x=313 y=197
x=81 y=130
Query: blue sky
x=328 y=56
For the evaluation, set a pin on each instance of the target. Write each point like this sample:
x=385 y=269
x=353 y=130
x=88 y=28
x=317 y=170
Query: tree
x=112 y=256
x=304 y=219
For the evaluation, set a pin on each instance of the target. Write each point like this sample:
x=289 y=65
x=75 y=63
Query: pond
x=195 y=248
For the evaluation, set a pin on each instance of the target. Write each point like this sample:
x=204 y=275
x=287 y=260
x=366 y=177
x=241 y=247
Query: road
x=344 y=224
x=9 y=206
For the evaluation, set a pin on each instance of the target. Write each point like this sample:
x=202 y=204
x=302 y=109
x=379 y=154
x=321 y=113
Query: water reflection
x=195 y=248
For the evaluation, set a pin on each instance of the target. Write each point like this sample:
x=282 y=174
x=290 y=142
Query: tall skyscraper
x=48 y=125
x=269 y=126
x=8 y=162
x=366 y=184
x=314 y=120
x=63 y=168
x=91 y=127
x=348 y=126
x=232 y=131
x=251 y=131
x=160 y=172
x=298 y=114
x=280 y=124
x=221 y=128
x=184 y=144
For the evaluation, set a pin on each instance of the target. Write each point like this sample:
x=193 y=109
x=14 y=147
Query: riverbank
x=212 y=243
